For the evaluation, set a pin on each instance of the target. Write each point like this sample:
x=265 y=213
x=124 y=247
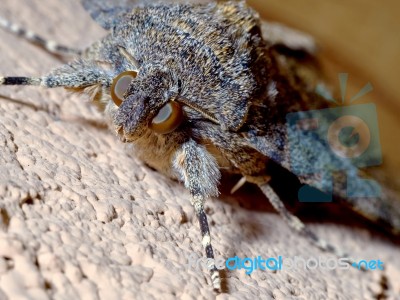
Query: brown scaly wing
x=108 y=12
x=291 y=127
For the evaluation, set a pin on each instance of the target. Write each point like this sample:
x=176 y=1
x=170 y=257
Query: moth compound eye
x=168 y=118
x=120 y=85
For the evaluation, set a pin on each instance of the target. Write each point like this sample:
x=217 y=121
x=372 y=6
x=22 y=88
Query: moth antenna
x=49 y=45
x=20 y=81
x=296 y=224
x=200 y=110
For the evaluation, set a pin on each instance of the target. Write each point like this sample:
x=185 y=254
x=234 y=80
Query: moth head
x=146 y=101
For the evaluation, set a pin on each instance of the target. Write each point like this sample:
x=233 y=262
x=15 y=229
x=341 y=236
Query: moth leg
x=199 y=172
x=78 y=76
x=50 y=46
x=252 y=165
x=36 y=81
x=75 y=75
x=198 y=204
x=296 y=224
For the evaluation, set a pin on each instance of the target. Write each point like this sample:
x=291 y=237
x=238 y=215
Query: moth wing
x=107 y=12
x=286 y=130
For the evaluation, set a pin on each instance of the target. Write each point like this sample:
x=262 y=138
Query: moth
x=198 y=88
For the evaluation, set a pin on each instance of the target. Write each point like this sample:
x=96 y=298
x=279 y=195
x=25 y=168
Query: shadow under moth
x=198 y=88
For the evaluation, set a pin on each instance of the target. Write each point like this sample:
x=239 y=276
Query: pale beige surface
x=82 y=218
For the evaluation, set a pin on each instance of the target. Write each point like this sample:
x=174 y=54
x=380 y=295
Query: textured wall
x=82 y=218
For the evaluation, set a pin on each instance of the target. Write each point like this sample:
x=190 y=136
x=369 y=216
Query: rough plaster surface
x=82 y=218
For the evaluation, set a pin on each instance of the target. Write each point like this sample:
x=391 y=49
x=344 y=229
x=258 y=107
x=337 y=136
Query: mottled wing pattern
x=108 y=12
x=268 y=126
